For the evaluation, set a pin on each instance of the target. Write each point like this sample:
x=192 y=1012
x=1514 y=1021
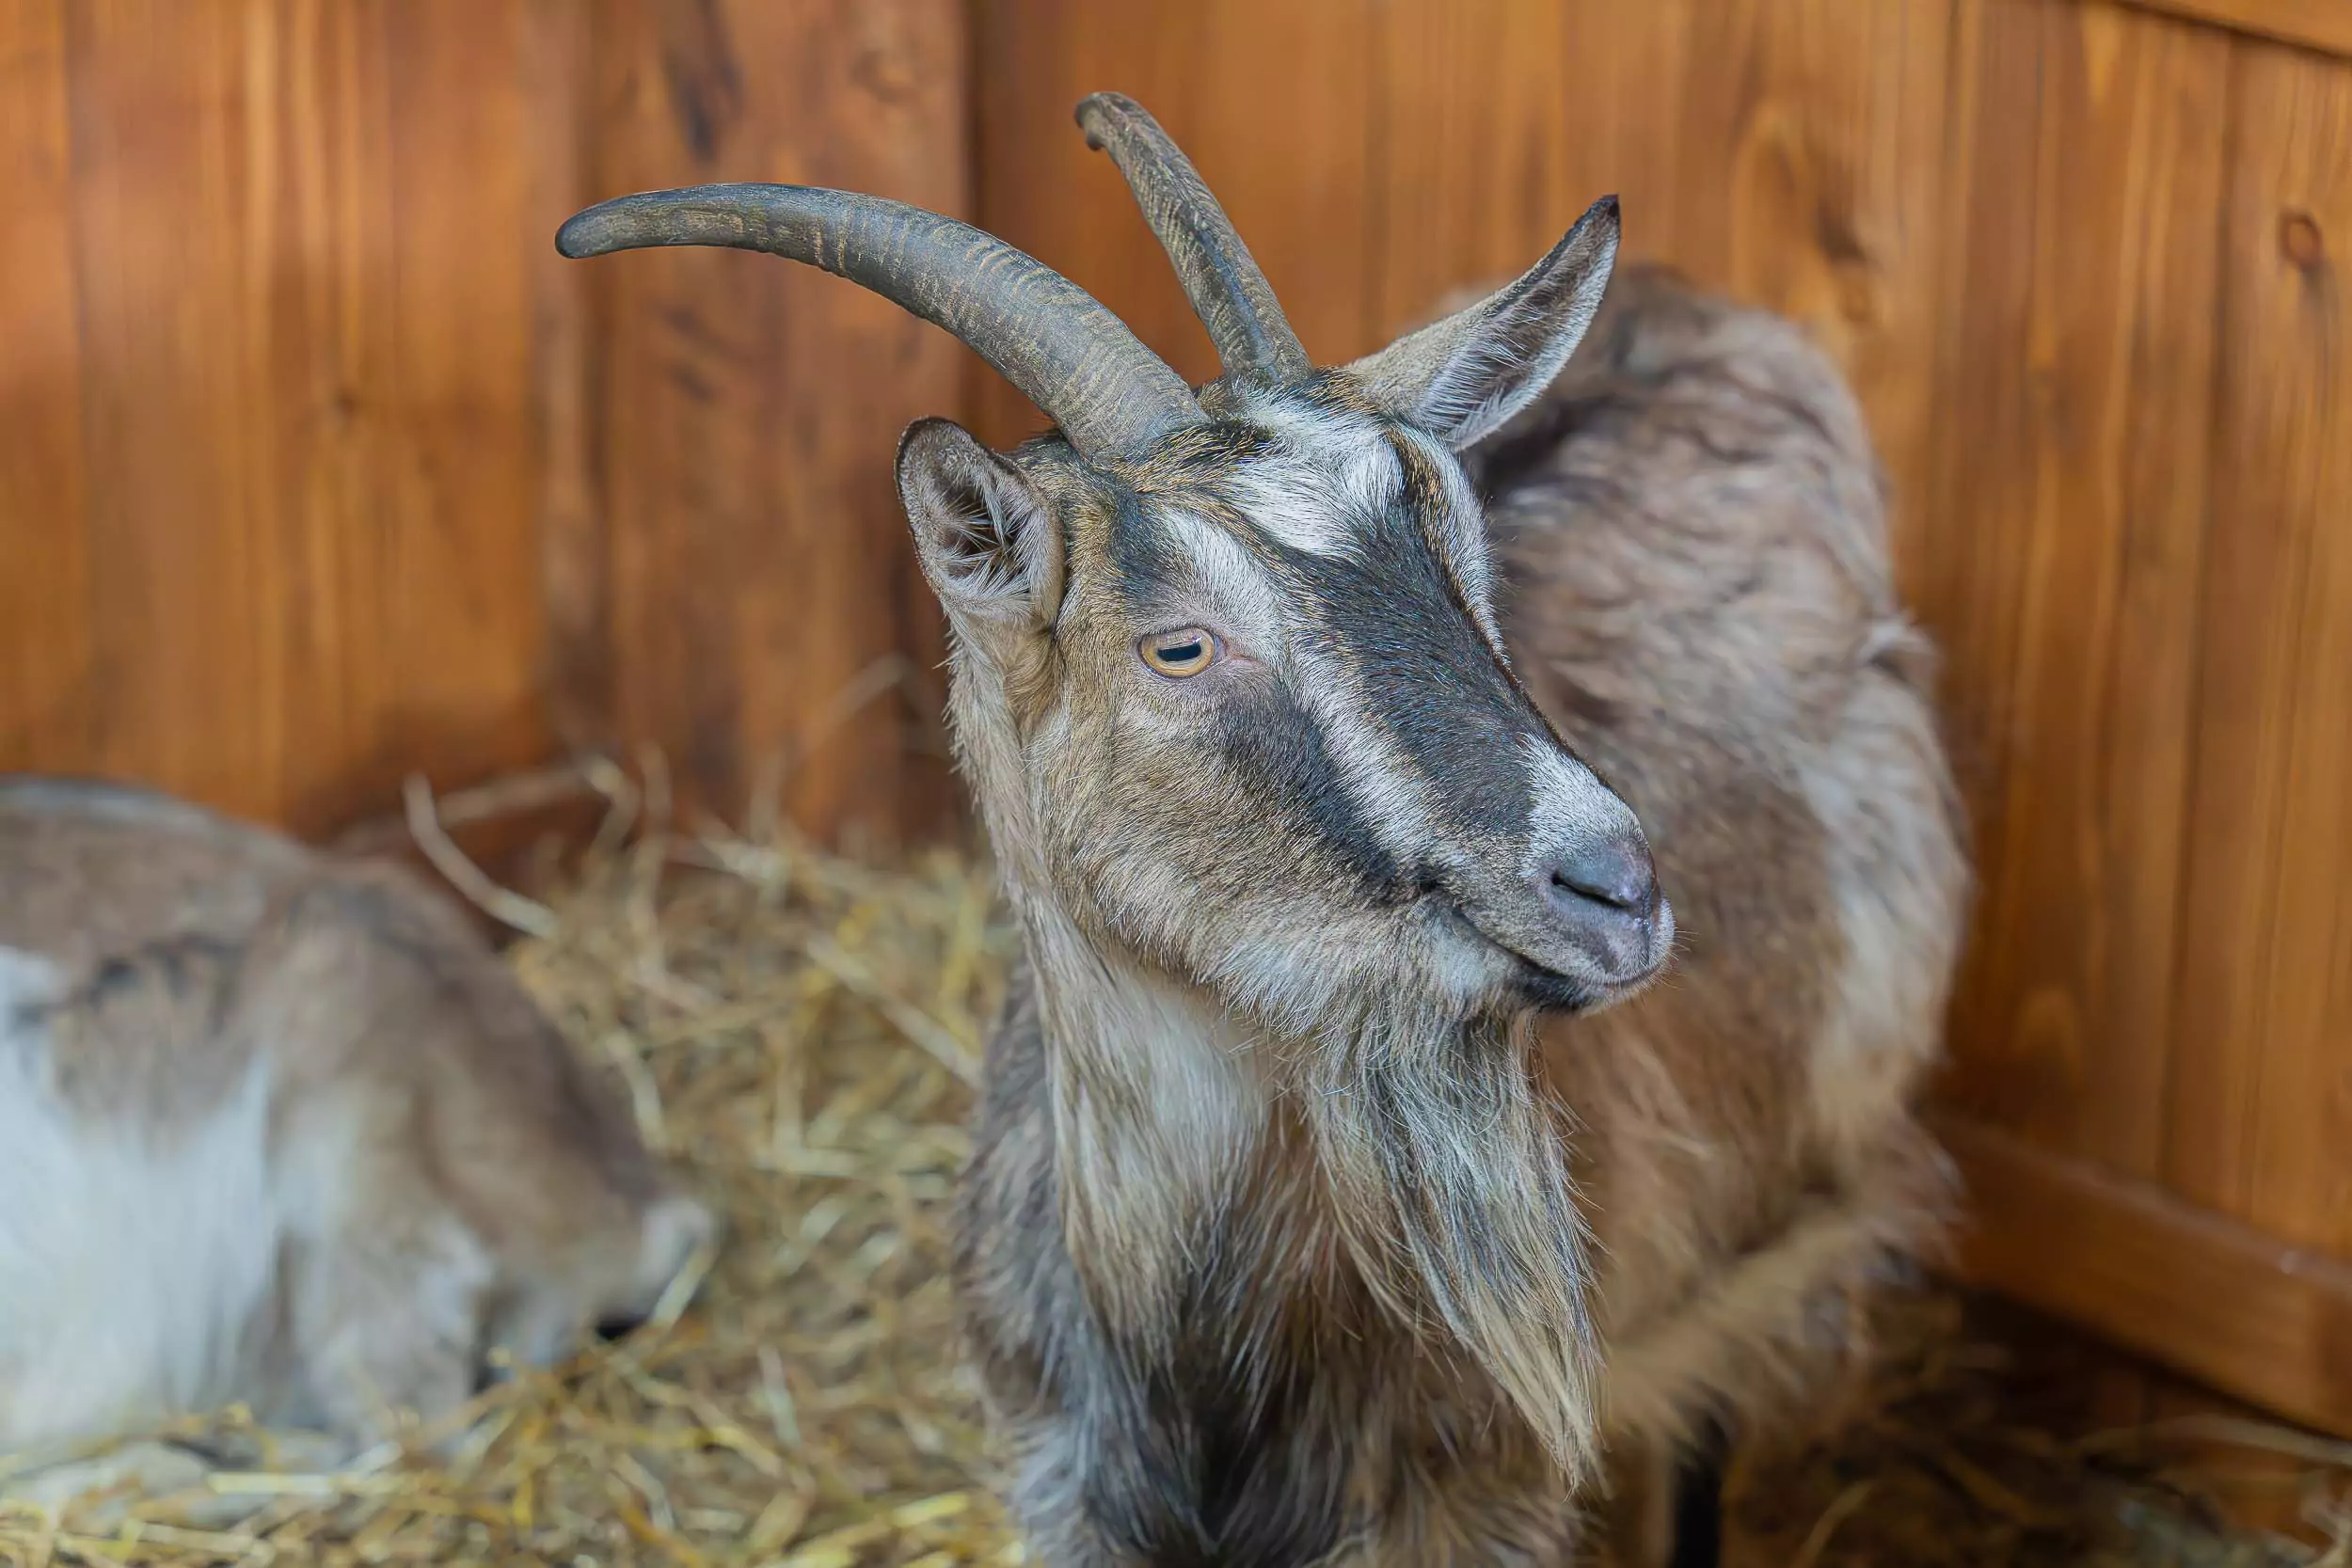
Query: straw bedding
x=801 y=1032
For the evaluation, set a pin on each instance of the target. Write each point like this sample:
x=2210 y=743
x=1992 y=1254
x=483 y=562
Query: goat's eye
x=1186 y=651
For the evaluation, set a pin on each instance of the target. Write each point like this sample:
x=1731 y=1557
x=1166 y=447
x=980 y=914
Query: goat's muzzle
x=1602 y=893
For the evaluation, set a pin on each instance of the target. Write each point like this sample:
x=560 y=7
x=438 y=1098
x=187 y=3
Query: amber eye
x=1185 y=651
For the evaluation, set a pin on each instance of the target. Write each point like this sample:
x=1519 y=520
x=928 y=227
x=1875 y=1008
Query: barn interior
x=331 y=497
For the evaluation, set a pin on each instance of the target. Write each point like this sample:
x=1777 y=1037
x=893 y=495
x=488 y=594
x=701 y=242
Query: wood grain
x=2262 y=1117
x=1271 y=103
x=747 y=409
x=314 y=467
x=559 y=125
x=302 y=463
x=2065 y=544
x=167 y=329
x=2315 y=24
x=463 y=561
x=1478 y=158
x=48 y=706
x=2218 y=1299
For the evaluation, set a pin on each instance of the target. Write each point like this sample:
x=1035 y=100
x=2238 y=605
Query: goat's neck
x=1433 y=1163
x=1160 y=1105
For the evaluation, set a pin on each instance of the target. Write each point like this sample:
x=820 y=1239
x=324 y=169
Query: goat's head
x=1229 y=681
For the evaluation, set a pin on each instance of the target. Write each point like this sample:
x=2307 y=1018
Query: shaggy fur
x=1274 y=1249
x=1275 y=1246
x=283 y=1131
x=1700 y=594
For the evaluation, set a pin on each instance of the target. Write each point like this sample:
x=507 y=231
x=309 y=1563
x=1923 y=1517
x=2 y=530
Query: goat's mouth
x=1541 y=982
x=1546 y=987
x=1531 y=980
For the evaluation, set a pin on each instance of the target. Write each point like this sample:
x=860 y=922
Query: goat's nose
x=1612 y=872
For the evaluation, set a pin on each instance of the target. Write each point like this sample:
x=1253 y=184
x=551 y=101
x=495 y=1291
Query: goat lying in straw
x=282 y=1130
x=1275 y=1247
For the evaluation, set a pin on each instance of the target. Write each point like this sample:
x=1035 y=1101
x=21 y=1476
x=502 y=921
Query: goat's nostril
x=1612 y=872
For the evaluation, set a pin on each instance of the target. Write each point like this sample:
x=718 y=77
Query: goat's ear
x=987 y=539
x=1461 y=377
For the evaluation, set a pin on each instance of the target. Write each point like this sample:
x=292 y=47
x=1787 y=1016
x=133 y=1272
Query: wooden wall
x=2086 y=264
x=317 y=465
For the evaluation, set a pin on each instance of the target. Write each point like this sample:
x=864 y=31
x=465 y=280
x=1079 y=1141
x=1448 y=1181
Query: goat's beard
x=1449 y=1175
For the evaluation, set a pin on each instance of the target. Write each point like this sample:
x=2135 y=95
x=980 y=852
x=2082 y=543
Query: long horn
x=1111 y=396
x=1228 y=291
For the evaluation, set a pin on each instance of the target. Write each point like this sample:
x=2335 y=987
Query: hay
x=801 y=1032
x=1978 y=1442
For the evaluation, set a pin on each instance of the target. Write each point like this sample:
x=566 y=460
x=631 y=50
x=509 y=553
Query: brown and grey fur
x=1172 y=1247
x=283 y=1131
x=1295 y=1233
x=1694 y=533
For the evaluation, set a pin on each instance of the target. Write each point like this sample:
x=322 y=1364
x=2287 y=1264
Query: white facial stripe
x=1465 y=528
x=1332 y=469
x=1235 y=579
x=1381 y=780
x=1302 y=506
x=1566 y=805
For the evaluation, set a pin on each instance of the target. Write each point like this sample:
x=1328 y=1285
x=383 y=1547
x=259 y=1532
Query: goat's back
x=178 y=944
x=93 y=869
x=221 y=1052
x=1693 y=528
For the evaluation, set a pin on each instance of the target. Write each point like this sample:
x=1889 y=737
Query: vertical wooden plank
x=2063 y=563
x=2262 y=1111
x=747 y=409
x=557 y=82
x=1776 y=149
x=462 y=595
x=186 y=666
x=1475 y=135
x=46 y=697
x=306 y=282
x=889 y=87
x=306 y=300
x=1830 y=117
x=1269 y=102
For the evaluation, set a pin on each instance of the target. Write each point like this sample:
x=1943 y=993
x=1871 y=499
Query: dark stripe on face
x=1398 y=620
x=1263 y=733
x=1149 y=565
x=1274 y=744
x=1425 y=491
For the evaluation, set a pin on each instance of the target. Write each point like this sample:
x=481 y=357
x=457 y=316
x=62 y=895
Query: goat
x=282 y=1130
x=1693 y=532
x=1274 y=1245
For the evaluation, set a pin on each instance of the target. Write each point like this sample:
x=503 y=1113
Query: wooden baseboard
x=2213 y=1298
x=2321 y=25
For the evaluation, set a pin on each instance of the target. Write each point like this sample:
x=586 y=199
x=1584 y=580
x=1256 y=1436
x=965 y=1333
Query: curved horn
x=1228 y=291
x=1111 y=396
